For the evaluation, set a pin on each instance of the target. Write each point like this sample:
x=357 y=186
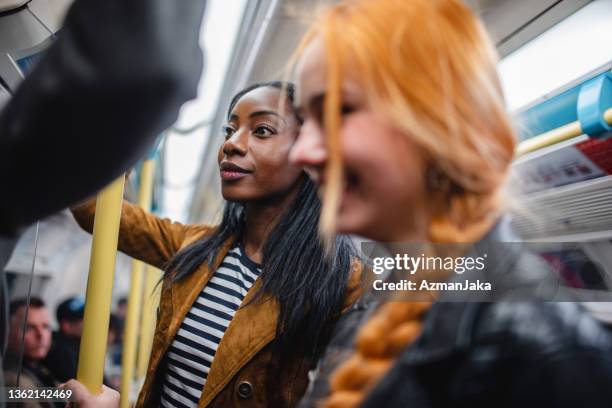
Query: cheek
x=30 y=340
x=277 y=173
x=273 y=165
x=387 y=164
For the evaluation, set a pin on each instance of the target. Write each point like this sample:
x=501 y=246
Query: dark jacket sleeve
x=114 y=79
x=581 y=378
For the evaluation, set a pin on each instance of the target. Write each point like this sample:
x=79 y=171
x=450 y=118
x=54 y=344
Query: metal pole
x=152 y=293
x=100 y=286
x=128 y=359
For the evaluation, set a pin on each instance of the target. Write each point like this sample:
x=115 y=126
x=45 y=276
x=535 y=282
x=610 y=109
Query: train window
x=567 y=51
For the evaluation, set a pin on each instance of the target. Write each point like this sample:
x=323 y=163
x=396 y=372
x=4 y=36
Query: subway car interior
x=555 y=67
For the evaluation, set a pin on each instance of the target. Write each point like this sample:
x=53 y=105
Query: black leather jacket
x=494 y=354
x=503 y=355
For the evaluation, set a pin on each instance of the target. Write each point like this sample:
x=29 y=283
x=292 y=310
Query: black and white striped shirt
x=191 y=353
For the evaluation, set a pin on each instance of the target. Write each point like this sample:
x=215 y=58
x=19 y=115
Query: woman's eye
x=263 y=131
x=228 y=131
x=346 y=109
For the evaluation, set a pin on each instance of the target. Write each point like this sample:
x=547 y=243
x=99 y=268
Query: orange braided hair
x=378 y=343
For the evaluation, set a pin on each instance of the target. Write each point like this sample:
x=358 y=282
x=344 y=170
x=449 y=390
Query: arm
x=141 y=234
x=114 y=80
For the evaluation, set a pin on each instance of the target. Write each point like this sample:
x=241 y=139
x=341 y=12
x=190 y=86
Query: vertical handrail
x=92 y=352
x=130 y=340
x=152 y=292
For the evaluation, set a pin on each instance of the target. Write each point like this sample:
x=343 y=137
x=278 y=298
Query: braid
x=379 y=342
x=394 y=326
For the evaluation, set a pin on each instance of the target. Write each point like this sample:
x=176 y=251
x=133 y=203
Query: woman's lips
x=229 y=175
x=231 y=171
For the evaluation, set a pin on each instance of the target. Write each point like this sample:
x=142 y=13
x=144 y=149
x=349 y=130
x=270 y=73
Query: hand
x=108 y=398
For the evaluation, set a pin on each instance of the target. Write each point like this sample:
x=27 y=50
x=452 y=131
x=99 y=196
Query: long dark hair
x=308 y=283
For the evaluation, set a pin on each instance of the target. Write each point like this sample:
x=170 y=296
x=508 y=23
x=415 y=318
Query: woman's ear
x=436 y=180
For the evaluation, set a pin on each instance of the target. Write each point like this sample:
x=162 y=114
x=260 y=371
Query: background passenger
x=112 y=363
x=63 y=358
x=36 y=344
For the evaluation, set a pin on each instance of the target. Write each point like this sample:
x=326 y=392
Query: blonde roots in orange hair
x=430 y=68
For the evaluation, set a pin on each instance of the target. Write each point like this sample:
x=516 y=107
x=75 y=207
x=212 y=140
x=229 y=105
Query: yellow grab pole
x=100 y=286
x=152 y=292
x=130 y=340
x=555 y=136
x=550 y=138
x=130 y=334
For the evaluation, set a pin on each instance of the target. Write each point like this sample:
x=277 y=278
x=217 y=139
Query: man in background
x=63 y=358
x=112 y=365
x=36 y=344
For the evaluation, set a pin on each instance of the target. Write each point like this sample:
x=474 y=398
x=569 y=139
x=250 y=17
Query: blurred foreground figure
x=94 y=105
x=406 y=133
x=115 y=79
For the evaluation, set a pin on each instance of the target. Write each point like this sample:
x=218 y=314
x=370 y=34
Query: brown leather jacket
x=245 y=371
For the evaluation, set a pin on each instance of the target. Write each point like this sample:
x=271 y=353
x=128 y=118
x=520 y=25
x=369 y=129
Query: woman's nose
x=236 y=144
x=310 y=149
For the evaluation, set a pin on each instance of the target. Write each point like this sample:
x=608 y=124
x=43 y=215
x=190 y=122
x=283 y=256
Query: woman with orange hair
x=406 y=133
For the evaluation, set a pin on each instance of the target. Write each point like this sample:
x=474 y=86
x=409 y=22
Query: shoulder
x=200 y=231
x=542 y=328
x=26 y=379
x=197 y=232
x=551 y=354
